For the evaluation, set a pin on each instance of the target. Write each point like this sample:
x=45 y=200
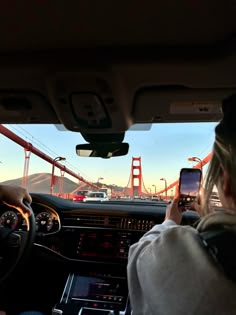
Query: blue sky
x=164 y=150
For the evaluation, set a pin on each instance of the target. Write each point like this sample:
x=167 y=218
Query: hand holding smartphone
x=189 y=186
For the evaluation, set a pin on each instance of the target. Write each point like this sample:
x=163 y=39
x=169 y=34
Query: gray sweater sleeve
x=136 y=250
x=170 y=272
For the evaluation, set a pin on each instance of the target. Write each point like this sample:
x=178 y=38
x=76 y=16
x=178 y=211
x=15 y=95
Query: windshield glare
x=161 y=151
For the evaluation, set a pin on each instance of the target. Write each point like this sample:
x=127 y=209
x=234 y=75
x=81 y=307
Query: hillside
x=40 y=183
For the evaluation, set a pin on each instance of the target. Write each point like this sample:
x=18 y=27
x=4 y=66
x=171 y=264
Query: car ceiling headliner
x=44 y=25
x=111 y=48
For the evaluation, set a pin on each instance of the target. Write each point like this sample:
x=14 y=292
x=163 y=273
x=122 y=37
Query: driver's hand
x=14 y=196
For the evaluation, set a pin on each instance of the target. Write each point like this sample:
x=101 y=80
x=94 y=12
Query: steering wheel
x=14 y=245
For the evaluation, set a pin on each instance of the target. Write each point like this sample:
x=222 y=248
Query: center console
x=93 y=293
x=98 y=283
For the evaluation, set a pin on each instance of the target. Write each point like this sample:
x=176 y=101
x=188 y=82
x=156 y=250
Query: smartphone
x=189 y=185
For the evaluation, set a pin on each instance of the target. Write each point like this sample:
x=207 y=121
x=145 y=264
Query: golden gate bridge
x=134 y=187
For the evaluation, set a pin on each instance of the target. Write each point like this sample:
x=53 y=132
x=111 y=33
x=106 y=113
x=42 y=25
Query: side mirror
x=102 y=150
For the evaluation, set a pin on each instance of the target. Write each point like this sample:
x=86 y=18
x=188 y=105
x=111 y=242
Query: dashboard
x=95 y=232
x=82 y=249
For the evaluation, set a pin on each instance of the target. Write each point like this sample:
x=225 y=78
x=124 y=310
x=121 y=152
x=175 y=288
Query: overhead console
x=87 y=103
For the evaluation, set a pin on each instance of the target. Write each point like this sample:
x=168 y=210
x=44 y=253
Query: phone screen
x=189 y=185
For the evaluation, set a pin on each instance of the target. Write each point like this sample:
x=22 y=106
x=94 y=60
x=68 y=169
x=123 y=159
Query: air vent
x=128 y=223
x=115 y=222
x=85 y=220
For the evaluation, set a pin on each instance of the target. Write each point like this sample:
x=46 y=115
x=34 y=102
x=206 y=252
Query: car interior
x=97 y=69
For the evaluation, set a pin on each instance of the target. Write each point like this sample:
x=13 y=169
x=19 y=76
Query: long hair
x=224 y=152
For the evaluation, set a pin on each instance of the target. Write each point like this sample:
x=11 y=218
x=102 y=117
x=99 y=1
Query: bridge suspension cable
x=29 y=147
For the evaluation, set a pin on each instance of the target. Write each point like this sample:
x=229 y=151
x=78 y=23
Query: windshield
x=149 y=169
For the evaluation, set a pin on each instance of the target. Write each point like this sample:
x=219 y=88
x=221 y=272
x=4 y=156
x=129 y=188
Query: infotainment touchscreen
x=99 y=289
x=103 y=244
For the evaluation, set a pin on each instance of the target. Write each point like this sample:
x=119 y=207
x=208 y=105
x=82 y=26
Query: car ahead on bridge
x=96 y=196
x=79 y=196
x=155 y=198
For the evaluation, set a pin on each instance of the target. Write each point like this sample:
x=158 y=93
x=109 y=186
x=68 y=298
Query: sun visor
x=25 y=107
x=179 y=104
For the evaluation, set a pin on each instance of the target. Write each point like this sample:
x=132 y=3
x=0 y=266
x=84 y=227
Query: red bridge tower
x=136 y=176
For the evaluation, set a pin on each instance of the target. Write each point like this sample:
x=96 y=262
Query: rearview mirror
x=102 y=150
